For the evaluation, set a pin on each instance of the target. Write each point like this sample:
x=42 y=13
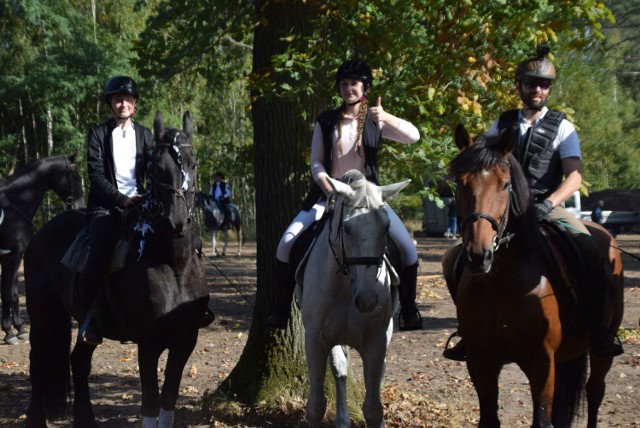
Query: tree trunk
x=273 y=362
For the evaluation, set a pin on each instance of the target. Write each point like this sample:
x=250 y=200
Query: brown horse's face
x=483 y=198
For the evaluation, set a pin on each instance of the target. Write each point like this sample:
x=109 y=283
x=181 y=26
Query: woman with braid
x=348 y=138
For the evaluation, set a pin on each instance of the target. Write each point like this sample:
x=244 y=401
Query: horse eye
x=506 y=186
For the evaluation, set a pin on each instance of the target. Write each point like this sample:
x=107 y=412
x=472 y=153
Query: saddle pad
x=76 y=256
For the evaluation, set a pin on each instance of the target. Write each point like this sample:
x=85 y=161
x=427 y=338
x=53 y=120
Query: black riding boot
x=410 y=318
x=281 y=308
x=603 y=344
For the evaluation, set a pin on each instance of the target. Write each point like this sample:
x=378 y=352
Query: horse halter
x=500 y=228
x=343 y=266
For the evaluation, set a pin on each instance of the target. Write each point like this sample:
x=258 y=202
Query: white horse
x=348 y=296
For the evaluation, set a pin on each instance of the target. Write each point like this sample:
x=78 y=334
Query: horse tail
x=569 y=386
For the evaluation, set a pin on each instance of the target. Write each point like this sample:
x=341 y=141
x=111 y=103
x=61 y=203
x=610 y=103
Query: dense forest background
x=436 y=63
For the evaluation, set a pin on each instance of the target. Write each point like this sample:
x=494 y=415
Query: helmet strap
x=357 y=102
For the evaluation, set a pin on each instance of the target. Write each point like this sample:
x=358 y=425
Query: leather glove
x=542 y=209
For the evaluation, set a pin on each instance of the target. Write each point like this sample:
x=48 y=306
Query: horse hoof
x=11 y=340
x=24 y=335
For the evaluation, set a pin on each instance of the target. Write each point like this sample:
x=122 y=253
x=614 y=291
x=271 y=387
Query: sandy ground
x=421 y=388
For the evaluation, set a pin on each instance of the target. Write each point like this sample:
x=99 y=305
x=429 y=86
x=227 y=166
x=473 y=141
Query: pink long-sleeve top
x=348 y=159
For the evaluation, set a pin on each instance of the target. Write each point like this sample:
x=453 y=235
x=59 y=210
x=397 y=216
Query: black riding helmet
x=355 y=69
x=120 y=85
x=538 y=67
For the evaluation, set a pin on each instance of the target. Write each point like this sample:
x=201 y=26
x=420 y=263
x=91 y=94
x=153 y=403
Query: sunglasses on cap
x=534 y=83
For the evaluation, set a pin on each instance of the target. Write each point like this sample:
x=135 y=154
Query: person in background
x=346 y=138
x=452 y=216
x=220 y=193
x=596 y=214
x=549 y=152
x=116 y=160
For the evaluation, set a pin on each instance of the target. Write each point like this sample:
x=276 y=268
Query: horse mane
x=484 y=154
x=366 y=194
x=24 y=176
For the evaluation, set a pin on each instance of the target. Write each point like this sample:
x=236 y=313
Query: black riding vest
x=541 y=163
x=371 y=137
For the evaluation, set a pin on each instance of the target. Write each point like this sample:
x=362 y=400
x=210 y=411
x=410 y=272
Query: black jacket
x=103 y=190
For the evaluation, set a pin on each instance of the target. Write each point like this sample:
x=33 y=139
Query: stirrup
x=456 y=352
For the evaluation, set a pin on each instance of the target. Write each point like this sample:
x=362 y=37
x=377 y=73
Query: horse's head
x=490 y=187
x=66 y=182
x=171 y=174
x=359 y=229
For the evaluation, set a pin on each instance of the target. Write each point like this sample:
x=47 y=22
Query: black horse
x=215 y=221
x=158 y=300
x=20 y=196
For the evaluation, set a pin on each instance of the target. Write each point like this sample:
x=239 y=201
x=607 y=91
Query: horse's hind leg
x=317 y=355
x=83 y=415
x=596 y=388
x=213 y=243
x=339 y=368
x=239 y=234
x=11 y=299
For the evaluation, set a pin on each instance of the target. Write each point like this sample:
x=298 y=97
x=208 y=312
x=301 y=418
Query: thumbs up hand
x=377 y=113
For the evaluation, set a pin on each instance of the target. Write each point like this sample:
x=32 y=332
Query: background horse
x=215 y=221
x=20 y=197
x=348 y=298
x=157 y=300
x=512 y=304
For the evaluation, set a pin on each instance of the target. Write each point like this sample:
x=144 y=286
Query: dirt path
x=421 y=388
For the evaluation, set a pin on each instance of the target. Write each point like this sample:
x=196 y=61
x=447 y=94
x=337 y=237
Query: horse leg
x=540 y=370
x=176 y=361
x=225 y=234
x=484 y=375
x=213 y=243
x=10 y=298
x=148 y=356
x=83 y=415
x=50 y=338
x=596 y=387
x=339 y=368
x=317 y=354
x=239 y=235
x=373 y=362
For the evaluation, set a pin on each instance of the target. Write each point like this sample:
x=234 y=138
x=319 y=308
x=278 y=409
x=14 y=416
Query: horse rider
x=220 y=193
x=116 y=160
x=549 y=152
x=348 y=138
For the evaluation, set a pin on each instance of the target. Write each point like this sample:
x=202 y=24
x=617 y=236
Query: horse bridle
x=178 y=192
x=72 y=194
x=343 y=266
x=500 y=227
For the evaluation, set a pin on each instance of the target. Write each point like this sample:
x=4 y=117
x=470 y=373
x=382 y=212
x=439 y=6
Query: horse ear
x=72 y=159
x=341 y=188
x=157 y=126
x=187 y=125
x=462 y=137
x=391 y=190
x=507 y=139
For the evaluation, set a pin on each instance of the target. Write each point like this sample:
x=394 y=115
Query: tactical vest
x=371 y=138
x=540 y=162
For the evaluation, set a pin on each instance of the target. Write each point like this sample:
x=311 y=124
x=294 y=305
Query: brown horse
x=513 y=304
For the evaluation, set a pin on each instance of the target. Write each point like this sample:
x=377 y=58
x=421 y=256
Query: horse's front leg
x=373 y=362
x=339 y=364
x=239 y=235
x=213 y=243
x=484 y=372
x=317 y=354
x=540 y=370
x=176 y=361
x=148 y=362
x=225 y=234
x=11 y=299
x=80 y=359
